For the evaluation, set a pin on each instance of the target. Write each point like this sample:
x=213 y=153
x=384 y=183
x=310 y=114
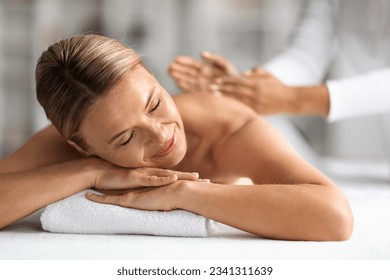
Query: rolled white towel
x=77 y=214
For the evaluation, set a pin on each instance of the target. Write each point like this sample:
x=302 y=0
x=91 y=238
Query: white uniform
x=347 y=44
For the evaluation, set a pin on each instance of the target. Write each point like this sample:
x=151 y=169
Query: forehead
x=130 y=90
x=124 y=101
x=136 y=79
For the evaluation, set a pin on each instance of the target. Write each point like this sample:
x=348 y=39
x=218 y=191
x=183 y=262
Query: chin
x=174 y=158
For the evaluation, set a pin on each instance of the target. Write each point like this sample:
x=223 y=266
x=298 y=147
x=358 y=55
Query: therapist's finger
x=235 y=80
x=219 y=61
x=214 y=59
x=181 y=68
x=185 y=86
x=256 y=71
x=188 y=79
x=236 y=92
x=235 y=89
x=188 y=61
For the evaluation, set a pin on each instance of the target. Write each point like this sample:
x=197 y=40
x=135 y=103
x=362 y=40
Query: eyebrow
x=151 y=93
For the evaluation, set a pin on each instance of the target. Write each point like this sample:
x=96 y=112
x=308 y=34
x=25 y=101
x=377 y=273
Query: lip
x=168 y=147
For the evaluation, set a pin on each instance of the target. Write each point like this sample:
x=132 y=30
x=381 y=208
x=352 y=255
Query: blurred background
x=248 y=32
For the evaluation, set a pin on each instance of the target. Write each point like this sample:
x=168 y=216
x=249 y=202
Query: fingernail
x=195 y=174
x=173 y=176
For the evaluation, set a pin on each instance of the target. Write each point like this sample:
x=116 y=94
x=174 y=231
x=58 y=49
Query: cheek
x=171 y=111
x=125 y=158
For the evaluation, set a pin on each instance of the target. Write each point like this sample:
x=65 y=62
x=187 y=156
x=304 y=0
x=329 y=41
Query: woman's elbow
x=346 y=224
x=339 y=220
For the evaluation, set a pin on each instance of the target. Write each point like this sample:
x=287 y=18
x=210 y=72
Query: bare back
x=209 y=121
x=228 y=140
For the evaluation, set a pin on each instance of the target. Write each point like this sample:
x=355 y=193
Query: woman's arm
x=290 y=199
x=24 y=192
x=47 y=169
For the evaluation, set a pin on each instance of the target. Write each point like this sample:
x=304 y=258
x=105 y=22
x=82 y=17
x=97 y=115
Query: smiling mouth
x=168 y=147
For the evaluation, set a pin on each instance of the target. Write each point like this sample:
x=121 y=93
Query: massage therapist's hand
x=259 y=90
x=191 y=74
x=111 y=177
x=164 y=198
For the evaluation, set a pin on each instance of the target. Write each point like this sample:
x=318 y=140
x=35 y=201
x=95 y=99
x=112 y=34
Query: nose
x=156 y=134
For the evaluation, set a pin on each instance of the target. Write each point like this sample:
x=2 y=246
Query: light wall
x=246 y=31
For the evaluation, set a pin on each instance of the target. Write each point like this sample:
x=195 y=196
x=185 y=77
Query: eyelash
x=157 y=105
x=132 y=133
x=128 y=140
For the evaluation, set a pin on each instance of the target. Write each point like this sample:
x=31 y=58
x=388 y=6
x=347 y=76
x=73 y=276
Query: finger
x=105 y=199
x=204 y=180
x=235 y=90
x=239 y=81
x=187 y=69
x=157 y=181
x=180 y=175
x=199 y=68
x=159 y=177
x=259 y=71
x=219 y=61
x=114 y=192
x=188 y=61
x=187 y=78
x=184 y=82
x=213 y=87
x=247 y=73
x=141 y=177
x=188 y=176
x=184 y=86
x=245 y=100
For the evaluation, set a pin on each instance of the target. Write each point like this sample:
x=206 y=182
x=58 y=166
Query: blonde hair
x=73 y=73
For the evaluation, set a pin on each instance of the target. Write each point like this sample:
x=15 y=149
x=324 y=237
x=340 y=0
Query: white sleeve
x=306 y=60
x=359 y=95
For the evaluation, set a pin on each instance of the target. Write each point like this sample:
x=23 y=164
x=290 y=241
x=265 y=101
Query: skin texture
x=256 y=88
x=217 y=137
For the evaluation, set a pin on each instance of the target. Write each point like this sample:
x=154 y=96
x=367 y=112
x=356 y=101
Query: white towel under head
x=77 y=214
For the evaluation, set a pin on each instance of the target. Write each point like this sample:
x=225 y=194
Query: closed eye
x=128 y=140
x=156 y=106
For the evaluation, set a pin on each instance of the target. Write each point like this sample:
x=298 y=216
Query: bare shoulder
x=212 y=114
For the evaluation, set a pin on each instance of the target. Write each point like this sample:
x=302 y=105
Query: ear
x=79 y=148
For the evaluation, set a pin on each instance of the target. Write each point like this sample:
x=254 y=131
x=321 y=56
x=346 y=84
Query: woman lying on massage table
x=116 y=129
